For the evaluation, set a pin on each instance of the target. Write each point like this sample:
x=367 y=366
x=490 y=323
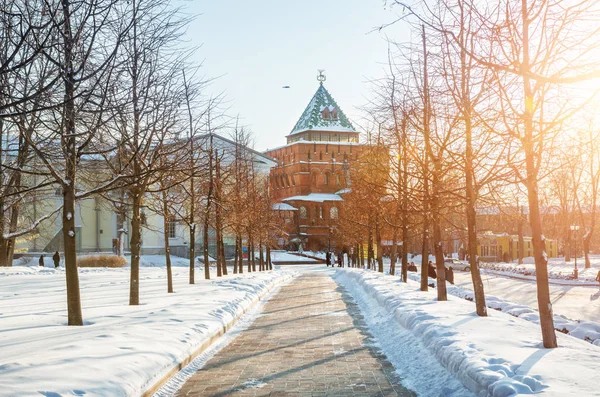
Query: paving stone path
x=311 y=340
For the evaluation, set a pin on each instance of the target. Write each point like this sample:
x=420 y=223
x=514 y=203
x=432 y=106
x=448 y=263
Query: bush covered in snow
x=101 y=261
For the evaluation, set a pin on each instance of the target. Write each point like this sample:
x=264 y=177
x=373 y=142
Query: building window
x=338 y=181
x=313 y=178
x=293 y=180
x=333 y=213
x=326 y=179
x=320 y=212
x=171 y=225
x=320 y=155
x=334 y=114
x=303 y=214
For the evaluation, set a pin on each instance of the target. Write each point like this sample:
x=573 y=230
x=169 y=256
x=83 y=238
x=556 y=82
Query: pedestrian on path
x=412 y=267
x=56 y=259
x=450 y=275
x=41 y=261
x=340 y=259
x=431 y=269
x=328 y=258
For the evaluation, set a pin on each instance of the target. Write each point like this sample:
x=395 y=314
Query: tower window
x=334 y=114
x=333 y=213
x=303 y=214
x=326 y=179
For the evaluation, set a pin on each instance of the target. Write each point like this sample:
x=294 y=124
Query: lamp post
x=575 y=228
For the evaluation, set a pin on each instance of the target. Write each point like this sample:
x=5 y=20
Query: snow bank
x=558 y=269
x=284 y=256
x=497 y=356
x=586 y=330
x=122 y=350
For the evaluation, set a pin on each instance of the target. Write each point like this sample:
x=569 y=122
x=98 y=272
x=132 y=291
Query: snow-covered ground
x=121 y=350
x=499 y=355
x=284 y=256
x=558 y=269
x=573 y=301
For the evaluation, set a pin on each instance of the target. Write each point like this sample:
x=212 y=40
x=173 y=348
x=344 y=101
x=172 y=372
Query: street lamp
x=575 y=228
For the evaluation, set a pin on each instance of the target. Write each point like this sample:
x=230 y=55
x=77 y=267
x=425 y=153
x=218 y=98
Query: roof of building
x=315 y=197
x=283 y=207
x=312 y=118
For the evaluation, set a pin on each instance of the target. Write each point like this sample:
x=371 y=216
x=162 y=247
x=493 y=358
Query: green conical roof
x=312 y=117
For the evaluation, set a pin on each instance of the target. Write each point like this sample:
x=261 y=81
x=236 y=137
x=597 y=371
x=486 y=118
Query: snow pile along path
x=122 y=350
x=586 y=330
x=497 y=356
x=559 y=271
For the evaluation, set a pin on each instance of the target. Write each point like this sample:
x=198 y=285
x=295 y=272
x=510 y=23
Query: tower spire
x=321 y=77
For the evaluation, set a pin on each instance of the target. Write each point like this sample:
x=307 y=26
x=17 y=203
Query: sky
x=255 y=47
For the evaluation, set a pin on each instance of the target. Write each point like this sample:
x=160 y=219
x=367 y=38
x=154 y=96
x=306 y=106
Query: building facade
x=312 y=172
x=99 y=227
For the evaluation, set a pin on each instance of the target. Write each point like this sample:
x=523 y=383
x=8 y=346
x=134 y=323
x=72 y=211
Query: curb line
x=208 y=342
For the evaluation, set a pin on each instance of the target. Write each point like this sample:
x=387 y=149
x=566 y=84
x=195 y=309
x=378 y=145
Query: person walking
x=431 y=270
x=41 y=261
x=450 y=275
x=328 y=258
x=340 y=259
x=56 y=259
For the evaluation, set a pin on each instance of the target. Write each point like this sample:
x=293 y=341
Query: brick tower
x=312 y=171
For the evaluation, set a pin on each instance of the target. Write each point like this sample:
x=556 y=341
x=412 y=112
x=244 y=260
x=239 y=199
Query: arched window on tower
x=313 y=178
x=338 y=180
x=334 y=114
x=325 y=113
x=303 y=213
x=333 y=213
x=326 y=179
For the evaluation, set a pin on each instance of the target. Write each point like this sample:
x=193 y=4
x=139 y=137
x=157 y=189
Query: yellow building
x=505 y=248
x=98 y=225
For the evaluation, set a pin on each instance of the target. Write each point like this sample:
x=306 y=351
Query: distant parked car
x=458 y=264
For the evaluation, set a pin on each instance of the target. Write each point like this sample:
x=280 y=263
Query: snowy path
x=576 y=303
x=310 y=340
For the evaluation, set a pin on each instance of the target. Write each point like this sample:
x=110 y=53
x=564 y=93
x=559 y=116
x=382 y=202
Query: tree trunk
x=394 y=251
x=586 y=246
x=269 y=263
x=261 y=263
x=541 y=263
x=253 y=256
x=370 y=259
x=425 y=255
x=205 y=248
x=240 y=254
x=379 y=250
x=362 y=256
x=437 y=243
x=68 y=222
x=568 y=244
x=135 y=246
x=222 y=248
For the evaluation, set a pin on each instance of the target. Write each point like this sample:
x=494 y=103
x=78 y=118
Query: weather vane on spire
x=321 y=77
